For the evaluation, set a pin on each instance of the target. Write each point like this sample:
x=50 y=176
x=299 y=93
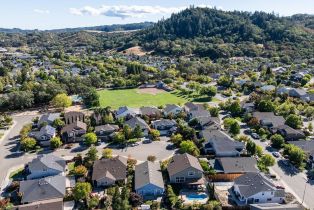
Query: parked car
x=248 y=131
x=280 y=187
x=255 y=136
x=276 y=154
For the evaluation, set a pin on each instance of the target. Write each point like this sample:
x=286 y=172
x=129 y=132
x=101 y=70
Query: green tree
x=234 y=128
x=90 y=97
x=127 y=130
x=266 y=106
x=235 y=109
x=82 y=191
x=268 y=160
x=90 y=138
x=214 y=111
x=119 y=138
x=296 y=155
x=137 y=132
x=251 y=147
x=61 y=101
x=189 y=147
x=171 y=196
x=176 y=139
x=294 y=121
x=92 y=154
x=55 y=143
x=28 y=144
x=259 y=151
x=155 y=134
x=277 y=141
x=58 y=123
x=107 y=153
x=93 y=202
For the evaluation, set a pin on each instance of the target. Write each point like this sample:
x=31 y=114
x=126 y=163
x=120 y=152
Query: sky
x=55 y=14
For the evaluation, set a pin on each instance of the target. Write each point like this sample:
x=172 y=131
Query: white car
x=276 y=154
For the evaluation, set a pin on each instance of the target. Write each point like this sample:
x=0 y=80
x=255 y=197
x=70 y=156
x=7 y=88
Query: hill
x=216 y=33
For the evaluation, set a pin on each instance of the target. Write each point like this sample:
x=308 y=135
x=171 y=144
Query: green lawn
x=129 y=97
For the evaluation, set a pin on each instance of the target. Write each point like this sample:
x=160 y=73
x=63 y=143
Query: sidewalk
x=6 y=181
x=6 y=132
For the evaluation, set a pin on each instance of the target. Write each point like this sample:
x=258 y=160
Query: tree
x=61 y=101
x=90 y=138
x=90 y=97
x=210 y=91
x=171 y=196
x=235 y=109
x=251 y=147
x=189 y=147
x=25 y=130
x=259 y=150
x=119 y=138
x=266 y=106
x=80 y=170
x=135 y=199
x=55 y=142
x=127 y=131
x=155 y=134
x=294 y=121
x=234 y=128
x=82 y=191
x=277 y=141
x=214 y=111
x=28 y=144
x=92 y=154
x=296 y=155
x=176 y=139
x=107 y=153
x=137 y=132
x=310 y=127
x=151 y=158
x=93 y=202
x=58 y=123
x=268 y=160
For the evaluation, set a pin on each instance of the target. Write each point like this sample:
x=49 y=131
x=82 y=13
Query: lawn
x=131 y=98
x=16 y=174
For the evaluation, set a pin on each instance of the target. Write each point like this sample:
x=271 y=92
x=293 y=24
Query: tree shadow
x=288 y=169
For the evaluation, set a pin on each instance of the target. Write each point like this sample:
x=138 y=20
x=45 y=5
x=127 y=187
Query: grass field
x=131 y=98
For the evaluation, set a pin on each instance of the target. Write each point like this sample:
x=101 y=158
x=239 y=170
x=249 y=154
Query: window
x=191 y=173
x=268 y=199
x=271 y=193
x=256 y=200
x=180 y=179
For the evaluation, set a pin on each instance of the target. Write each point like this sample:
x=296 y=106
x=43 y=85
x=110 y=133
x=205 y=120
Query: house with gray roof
x=73 y=132
x=221 y=144
x=256 y=188
x=125 y=111
x=107 y=172
x=137 y=121
x=44 y=166
x=165 y=126
x=105 y=132
x=48 y=118
x=185 y=169
x=297 y=92
x=290 y=134
x=171 y=109
x=45 y=134
x=150 y=111
x=73 y=116
x=35 y=190
x=269 y=119
x=268 y=88
x=148 y=180
x=234 y=165
x=51 y=204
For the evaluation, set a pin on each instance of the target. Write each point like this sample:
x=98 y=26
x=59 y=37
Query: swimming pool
x=194 y=196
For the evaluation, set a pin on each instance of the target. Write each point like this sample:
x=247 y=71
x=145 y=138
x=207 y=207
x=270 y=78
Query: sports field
x=138 y=97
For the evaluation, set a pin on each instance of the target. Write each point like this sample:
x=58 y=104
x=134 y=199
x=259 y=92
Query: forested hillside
x=216 y=33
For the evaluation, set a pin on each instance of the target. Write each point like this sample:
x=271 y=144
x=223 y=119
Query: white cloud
x=127 y=11
x=41 y=11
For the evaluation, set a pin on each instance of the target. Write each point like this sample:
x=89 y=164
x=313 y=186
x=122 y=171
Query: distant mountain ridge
x=103 y=28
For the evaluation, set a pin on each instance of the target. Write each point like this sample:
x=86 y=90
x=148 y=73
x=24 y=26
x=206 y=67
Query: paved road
x=294 y=182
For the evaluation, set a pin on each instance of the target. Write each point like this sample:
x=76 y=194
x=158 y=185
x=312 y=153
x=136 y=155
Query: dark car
x=255 y=135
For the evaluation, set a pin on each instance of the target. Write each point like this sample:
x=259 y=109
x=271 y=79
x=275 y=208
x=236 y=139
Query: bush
x=107 y=153
x=28 y=144
x=277 y=141
x=55 y=142
x=151 y=158
x=90 y=138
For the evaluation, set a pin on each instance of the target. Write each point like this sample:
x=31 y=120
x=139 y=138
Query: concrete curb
x=8 y=131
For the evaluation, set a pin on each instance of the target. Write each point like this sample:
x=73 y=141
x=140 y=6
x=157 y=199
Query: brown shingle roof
x=181 y=162
x=117 y=168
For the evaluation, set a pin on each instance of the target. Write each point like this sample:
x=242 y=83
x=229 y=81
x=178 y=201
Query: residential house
x=165 y=126
x=52 y=187
x=137 y=121
x=105 y=132
x=48 y=118
x=125 y=111
x=256 y=188
x=230 y=168
x=268 y=88
x=44 y=135
x=73 y=132
x=51 y=204
x=269 y=119
x=248 y=107
x=171 y=109
x=283 y=91
x=297 y=92
x=73 y=116
x=148 y=180
x=221 y=144
x=151 y=112
x=208 y=123
x=290 y=134
x=185 y=169
x=189 y=106
x=107 y=172
x=308 y=98
x=276 y=206
x=44 y=166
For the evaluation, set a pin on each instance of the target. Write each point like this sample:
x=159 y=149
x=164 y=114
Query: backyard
x=138 y=97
